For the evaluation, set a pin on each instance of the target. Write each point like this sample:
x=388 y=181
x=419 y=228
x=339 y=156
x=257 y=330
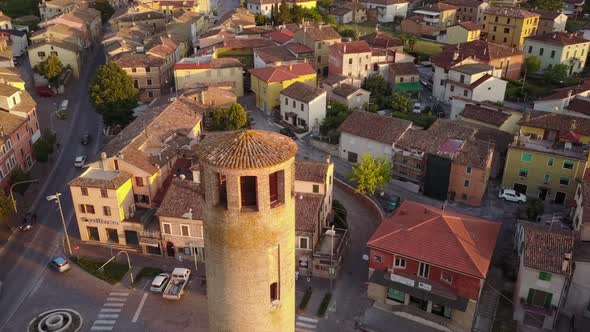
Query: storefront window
x=92 y=233
x=441 y=310
x=397 y=296
x=112 y=235
x=131 y=238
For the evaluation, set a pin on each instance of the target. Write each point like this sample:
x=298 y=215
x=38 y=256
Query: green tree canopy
x=379 y=90
x=51 y=67
x=231 y=118
x=44 y=146
x=556 y=73
x=532 y=64
x=412 y=40
x=261 y=19
x=16 y=8
x=113 y=95
x=6 y=207
x=105 y=9
x=325 y=3
x=19 y=175
x=550 y=5
x=400 y=103
x=371 y=174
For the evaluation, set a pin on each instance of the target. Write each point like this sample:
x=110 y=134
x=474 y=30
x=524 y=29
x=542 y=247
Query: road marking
x=147 y=282
x=309 y=326
x=117 y=299
x=118 y=294
x=103 y=316
x=101 y=328
x=308 y=319
x=305 y=324
x=105 y=321
x=109 y=310
x=139 y=308
x=113 y=304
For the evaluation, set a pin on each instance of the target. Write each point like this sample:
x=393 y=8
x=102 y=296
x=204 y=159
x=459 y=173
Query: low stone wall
x=368 y=202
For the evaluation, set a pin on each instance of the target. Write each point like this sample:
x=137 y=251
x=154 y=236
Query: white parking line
x=112 y=316
x=105 y=321
x=109 y=310
x=309 y=326
x=118 y=294
x=113 y=304
x=139 y=308
x=117 y=299
x=101 y=328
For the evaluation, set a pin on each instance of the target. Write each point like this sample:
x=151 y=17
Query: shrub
x=324 y=305
x=305 y=299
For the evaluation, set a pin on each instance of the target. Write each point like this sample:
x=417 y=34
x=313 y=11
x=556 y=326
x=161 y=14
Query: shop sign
x=402 y=280
x=98 y=221
x=424 y=286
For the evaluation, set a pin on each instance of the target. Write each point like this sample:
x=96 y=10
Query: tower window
x=274 y=291
x=273 y=183
x=248 y=191
x=222 y=189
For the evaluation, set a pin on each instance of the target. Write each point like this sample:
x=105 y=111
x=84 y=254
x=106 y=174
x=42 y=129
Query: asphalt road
x=25 y=257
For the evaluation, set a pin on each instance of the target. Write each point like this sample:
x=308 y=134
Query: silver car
x=160 y=282
x=60 y=264
x=512 y=195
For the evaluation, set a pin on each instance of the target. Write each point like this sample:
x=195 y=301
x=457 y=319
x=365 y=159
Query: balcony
x=545 y=310
x=567 y=149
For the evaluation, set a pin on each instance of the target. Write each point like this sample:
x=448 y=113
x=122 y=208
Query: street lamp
x=128 y=264
x=331 y=232
x=63 y=221
x=12 y=193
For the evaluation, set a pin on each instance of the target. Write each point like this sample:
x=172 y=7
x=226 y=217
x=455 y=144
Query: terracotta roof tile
x=334 y=79
x=385 y=2
x=126 y=60
x=298 y=48
x=307 y=211
x=282 y=73
x=448 y=239
x=10 y=123
x=345 y=90
x=431 y=140
x=564 y=92
x=273 y=54
x=280 y=36
x=380 y=128
x=404 y=68
x=469 y=26
x=546 y=14
x=545 y=250
x=559 y=38
x=579 y=105
x=320 y=33
x=463 y=3
x=182 y=196
x=213 y=64
x=479 y=49
x=311 y=171
x=247 y=42
x=510 y=12
x=485 y=115
x=302 y=92
x=438 y=7
x=246 y=149
x=99 y=178
x=360 y=46
x=474 y=153
x=559 y=122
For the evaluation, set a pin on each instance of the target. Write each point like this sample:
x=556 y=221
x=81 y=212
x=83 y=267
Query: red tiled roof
x=273 y=54
x=280 y=36
x=360 y=46
x=579 y=105
x=559 y=38
x=298 y=48
x=438 y=7
x=282 y=73
x=379 y=39
x=557 y=121
x=380 y=128
x=546 y=250
x=463 y=3
x=564 y=92
x=470 y=26
x=480 y=49
x=213 y=64
x=307 y=211
x=485 y=115
x=448 y=239
x=311 y=171
x=546 y=14
x=510 y=12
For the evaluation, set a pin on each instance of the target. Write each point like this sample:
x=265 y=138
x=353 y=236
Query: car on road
x=417 y=108
x=288 y=132
x=160 y=282
x=85 y=139
x=512 y=195
x=80 y=161
x=63 y=106
x=60 y=264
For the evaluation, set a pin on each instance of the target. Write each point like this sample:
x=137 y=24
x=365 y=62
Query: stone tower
x=249 y=218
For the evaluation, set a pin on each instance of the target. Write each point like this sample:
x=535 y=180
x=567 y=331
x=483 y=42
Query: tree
x=296 y=14
x=348 y=32
x=6 y=207
x=44 y=146
x=284 y=16
x=19 y=175
x=261 y=19
x=532 y=64
x=550 y=5
x=16 y=8
x=105 y=9
x=371 y=174
x=379 y=90
x=535 y=208
x=335 y=115
x=51 y=68
x=325 y=3
x=412 y=40
x=340 y=214
x=232 y=118
x=113 y=95
x=330 y=19
x=400 y=103
x=556 y=74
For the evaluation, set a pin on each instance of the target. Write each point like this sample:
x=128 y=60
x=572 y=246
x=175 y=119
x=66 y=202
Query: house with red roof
x=431 y=263
x=351 y=59
x=475 y=81
x=268 y=82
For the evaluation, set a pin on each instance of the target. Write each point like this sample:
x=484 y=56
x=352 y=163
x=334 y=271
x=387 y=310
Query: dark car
x=85 y=139
x=289 y=133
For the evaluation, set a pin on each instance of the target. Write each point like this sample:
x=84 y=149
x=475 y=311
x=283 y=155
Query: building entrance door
x=542 y=193
x=419 y=303
x=559 y=197
x=170 y=249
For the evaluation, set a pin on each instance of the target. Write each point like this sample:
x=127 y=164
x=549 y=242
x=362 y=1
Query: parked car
x=60 y=264
x=177 y=283
x=160 y=282
x=85 y=139
x=512 y=195
x=288 y=132
x=80 y=161
x=417 y=108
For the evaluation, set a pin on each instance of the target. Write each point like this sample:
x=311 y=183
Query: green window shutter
x=531 y=297
x=548 y=298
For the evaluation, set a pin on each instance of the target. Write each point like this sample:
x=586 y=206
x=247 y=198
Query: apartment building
x=439 y=15
x=509 y=26
x=319 y=38
x=469 y=10
x=190 y=71
x=559 y=48
x=475 y=81
x=49 y=9
x=351 y=59
x=550 y=21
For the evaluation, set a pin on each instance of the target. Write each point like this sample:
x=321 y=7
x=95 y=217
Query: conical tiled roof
x=246 y=149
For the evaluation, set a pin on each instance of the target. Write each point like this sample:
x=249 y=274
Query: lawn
x=112 y=273
x=148 y=272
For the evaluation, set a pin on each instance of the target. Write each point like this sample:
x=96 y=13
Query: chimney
x=103 y=158
x=485 y=50
x=566 y=262
x=573 y=125
x=328 y=160
x=554 y=35
x=455 y=56
x=344 y=47
x=202 y=96
x=290 y=67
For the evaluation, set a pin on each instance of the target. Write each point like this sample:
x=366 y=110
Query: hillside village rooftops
x=559 y=38
x=217 y=63
x=10 y=123
x=138 y=60
x=437 y=134
x=334 y=79
x=101 y=178
x=559 y=122
x=302 y=92
x=578 y=104
x=567 y=91
x=298 y=48
x=485 y=115
x=380 y=128
x=546 y=14
x=280 y=36
x=311 y=171
x=282 y=73
x=404 y=68
x=273 y=54
x=246 y=149
x=442 y=238
x=473 y=68
x=510 y=12
x=477 y=49
x=321 y=33
x=547 y=250
x=379 y=39
x=470 y=26
x=247 y=42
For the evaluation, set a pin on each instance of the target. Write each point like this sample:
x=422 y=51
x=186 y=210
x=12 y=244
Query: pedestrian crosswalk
x=305 y=324
x=106 y=319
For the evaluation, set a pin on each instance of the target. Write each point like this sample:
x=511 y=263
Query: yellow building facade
x=303 y=3
x=68 y=54
x=187 y=73
x=509 y=26
x=463 y=33
x=267 y=83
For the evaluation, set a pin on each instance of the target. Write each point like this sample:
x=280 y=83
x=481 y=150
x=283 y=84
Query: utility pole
x=63 y=221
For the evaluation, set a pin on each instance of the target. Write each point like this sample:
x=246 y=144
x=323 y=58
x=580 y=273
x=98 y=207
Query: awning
x=407 y=87
x=569 y=136
x=149 y=242
x=430 y=292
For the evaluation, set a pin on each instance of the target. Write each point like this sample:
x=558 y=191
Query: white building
x=350 y=95
x=387 y=10
x=561 y=99
x=303 y=106
x=475 y=81
x=544 y=274
x=263 y=7
x=369 y=133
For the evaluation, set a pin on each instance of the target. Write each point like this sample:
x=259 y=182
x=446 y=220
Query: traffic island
x=62 y=320
x=113 y=273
